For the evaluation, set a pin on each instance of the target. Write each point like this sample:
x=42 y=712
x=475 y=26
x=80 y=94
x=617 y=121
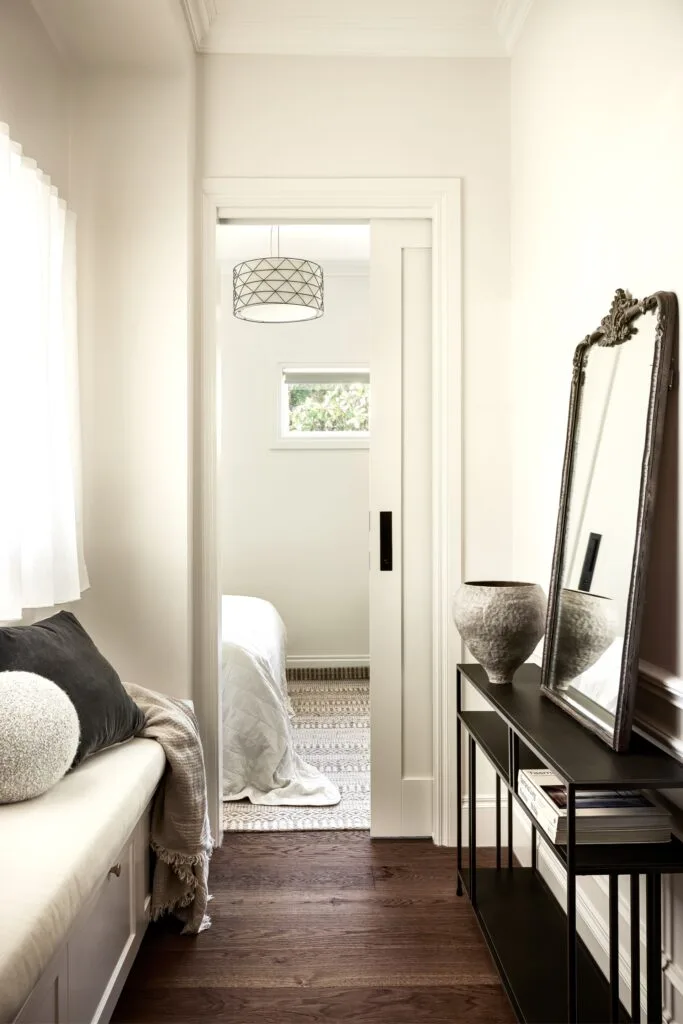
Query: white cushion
x=39 y=733
x=56 y=850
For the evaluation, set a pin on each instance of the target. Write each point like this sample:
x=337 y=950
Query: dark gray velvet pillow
x=59 y=649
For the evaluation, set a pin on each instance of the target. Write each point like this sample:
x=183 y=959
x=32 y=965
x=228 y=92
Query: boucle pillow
x=59 y=649
x=39 y=735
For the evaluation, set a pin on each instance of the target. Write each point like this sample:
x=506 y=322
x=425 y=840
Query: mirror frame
x=616 y=329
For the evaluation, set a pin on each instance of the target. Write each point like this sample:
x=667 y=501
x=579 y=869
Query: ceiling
x=149 y=34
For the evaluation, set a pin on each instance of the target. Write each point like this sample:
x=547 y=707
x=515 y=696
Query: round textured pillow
x=39 y=735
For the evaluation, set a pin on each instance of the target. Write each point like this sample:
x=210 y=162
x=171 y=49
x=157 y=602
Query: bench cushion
x=56 y=850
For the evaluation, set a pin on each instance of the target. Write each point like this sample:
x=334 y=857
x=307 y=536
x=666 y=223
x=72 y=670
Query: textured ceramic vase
x=586 y=626
x=501 y=623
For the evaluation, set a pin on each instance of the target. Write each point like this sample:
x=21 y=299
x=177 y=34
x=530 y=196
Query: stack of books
x=602 y=815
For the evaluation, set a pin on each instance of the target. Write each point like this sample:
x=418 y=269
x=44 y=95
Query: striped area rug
x=331 y=731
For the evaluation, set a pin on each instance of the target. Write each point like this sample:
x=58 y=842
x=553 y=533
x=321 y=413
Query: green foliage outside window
x=341 y=407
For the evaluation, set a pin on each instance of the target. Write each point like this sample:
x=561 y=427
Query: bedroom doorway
x=325 y=525
x=293 y=519
x=329 y=201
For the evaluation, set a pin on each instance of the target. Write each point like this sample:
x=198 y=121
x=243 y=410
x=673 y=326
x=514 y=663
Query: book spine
x=530 y=796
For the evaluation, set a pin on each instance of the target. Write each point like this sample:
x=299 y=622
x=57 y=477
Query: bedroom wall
x=294 y=524
x=133 y=172
x=34 y=91
x=597 y=162
x=377 y=117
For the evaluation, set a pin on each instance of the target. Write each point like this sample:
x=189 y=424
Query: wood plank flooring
x=321 y=926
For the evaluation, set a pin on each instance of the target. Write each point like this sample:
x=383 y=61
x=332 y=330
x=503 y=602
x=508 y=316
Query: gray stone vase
x=501 y=623
x=586 y=627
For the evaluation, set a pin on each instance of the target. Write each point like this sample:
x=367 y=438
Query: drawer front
x=48 y=1003
x=101 y=938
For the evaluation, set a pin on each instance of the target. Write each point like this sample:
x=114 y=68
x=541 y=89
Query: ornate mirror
x=622 y=373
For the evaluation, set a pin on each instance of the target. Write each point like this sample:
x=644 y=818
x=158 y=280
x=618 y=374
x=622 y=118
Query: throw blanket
x=181 y=836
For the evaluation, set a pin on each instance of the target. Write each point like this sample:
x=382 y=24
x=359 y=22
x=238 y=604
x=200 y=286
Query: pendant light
x=277 y=289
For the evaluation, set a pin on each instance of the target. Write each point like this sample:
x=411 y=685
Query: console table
x=548 y=972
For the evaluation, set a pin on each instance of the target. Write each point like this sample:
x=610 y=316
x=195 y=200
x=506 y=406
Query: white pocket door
x=401 y=528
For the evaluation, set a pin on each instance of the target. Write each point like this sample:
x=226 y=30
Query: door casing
x=330 y=199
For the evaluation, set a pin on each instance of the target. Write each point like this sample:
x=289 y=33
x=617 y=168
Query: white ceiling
x=161 y=33
x=336 y=246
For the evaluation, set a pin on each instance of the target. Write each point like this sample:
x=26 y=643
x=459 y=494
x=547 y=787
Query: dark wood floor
x=321 y=926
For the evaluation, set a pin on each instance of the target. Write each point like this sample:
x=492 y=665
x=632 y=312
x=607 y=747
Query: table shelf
x=525 y=929
x=548 y=972
x=492 y=736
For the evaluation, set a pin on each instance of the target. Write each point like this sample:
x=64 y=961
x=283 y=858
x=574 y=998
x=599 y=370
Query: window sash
x=326 y=376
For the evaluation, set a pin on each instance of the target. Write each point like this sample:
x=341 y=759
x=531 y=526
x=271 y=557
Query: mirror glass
x=598 y=536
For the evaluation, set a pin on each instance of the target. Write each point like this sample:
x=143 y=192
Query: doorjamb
x=435 y=199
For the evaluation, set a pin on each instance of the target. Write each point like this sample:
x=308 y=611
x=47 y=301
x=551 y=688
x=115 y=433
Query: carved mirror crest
x=622 y=374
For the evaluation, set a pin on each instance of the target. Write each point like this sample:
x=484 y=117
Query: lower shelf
x=526 y=931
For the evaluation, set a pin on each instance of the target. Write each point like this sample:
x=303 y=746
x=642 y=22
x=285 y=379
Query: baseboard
x=330 y=673
x=327 y=660
x=486 y=821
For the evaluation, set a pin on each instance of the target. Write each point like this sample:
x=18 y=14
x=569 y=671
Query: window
x=325 y=407
x=41 y=550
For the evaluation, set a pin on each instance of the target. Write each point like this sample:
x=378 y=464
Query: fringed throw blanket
x=181 y=836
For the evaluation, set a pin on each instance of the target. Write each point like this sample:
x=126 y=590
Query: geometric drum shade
x=277 y=289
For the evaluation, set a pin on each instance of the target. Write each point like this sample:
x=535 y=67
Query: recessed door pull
x=386 y=544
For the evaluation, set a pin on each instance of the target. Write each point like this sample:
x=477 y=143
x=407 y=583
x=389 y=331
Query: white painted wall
x=133 y=181
x=374 y=117
x=597 y=165
x=34 y=91
x=595 y=206
x=294 y=524
x=120 y=146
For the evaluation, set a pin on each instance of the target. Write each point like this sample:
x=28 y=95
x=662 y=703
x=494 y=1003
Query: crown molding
x=200 y=16
x=510 y=16
x=422 y=28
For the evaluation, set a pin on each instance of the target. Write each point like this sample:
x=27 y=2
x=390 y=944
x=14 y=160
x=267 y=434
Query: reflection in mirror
x=601 y=529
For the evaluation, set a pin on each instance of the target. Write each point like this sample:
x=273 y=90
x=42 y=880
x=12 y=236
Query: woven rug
x=331 y=731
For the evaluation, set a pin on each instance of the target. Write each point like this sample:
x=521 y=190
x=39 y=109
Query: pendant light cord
x=275 y=231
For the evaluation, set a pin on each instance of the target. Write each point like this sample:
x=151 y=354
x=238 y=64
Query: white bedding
x=259 y=759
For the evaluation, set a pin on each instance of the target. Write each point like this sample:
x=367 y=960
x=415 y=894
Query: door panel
x=400 y=483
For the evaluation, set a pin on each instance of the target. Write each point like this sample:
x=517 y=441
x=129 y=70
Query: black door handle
x=386 y=544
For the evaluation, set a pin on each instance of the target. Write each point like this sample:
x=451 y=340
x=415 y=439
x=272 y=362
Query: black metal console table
x=549 y=974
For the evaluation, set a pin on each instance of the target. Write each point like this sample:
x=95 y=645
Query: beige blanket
x=181 y=836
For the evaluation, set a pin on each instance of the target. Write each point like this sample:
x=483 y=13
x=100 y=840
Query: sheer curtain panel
x=41 y=548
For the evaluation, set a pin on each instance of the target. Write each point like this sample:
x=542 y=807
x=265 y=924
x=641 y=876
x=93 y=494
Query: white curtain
x=41 y=548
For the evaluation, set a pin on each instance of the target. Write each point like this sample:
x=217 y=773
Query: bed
x=259 y=759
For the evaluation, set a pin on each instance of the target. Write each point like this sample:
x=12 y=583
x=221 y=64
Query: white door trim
x=437 y=199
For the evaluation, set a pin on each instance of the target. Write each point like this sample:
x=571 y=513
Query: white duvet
x=259 y=759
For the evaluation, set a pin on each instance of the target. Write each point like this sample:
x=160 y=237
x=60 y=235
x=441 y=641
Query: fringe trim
x=328 y=672
x=178 y=860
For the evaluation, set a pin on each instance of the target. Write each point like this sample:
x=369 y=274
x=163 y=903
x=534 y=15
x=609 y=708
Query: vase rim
x=585 y=593
x=497 y=583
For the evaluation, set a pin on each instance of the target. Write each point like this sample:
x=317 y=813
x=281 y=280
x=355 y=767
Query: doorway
x=303 y=201
x=293 y=519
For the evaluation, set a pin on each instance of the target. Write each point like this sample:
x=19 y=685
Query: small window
x=325 y=407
